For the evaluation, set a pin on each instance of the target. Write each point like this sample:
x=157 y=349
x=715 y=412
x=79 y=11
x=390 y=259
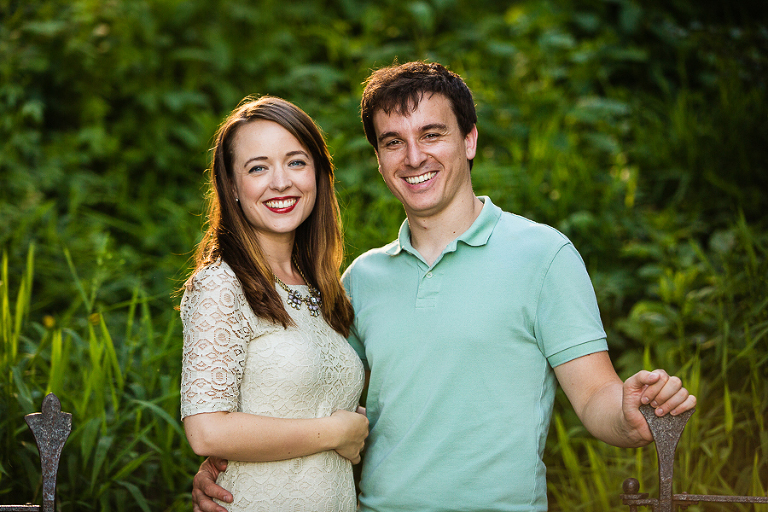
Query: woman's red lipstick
x=282 y=204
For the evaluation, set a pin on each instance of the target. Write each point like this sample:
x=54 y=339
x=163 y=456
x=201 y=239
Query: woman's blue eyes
x=261 y=168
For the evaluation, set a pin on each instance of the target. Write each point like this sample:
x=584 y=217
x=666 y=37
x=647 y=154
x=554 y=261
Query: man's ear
x=470 y=143
x=377 y=160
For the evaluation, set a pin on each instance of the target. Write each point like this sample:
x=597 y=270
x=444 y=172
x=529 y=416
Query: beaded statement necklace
x=295 y=299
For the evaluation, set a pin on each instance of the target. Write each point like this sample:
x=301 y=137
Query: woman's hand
x=352 y=428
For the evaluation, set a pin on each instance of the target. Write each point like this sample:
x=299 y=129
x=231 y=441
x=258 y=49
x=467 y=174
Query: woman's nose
x=280 y=179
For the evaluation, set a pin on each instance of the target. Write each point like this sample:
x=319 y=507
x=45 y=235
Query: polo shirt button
x=429 y=275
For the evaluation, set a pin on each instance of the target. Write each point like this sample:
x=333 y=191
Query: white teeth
x=415 y=180
x=284 y=203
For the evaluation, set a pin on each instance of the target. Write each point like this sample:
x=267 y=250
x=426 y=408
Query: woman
x=269 y=381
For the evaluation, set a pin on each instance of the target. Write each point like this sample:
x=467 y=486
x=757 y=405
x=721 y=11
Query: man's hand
x=204 y=487
x=664 y=393
x=610 y=408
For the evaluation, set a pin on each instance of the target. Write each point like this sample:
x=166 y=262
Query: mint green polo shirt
x=461 y=355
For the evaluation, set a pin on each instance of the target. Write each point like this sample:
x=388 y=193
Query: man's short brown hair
x=399 y=88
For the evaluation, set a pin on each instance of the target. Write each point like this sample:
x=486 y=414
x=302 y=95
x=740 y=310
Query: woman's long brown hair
x=318 y=248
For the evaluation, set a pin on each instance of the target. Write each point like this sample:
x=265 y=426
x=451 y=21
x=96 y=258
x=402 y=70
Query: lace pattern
x=233 y=361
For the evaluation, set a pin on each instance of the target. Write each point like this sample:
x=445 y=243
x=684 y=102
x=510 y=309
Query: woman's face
x=274 y=179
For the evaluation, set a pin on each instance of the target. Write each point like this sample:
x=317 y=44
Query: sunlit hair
x=318 y=247
x=400 y=88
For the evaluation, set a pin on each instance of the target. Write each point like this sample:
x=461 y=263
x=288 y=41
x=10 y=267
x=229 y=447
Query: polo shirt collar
x=477 y=235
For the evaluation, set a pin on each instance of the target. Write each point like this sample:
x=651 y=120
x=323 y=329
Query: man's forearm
x=604 y=418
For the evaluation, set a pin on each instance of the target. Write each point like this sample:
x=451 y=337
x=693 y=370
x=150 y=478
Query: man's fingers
x=665 y=393
x=689 y=403
x=203 y=503
x=673 y=386
x=204 y=488
x=654 y=382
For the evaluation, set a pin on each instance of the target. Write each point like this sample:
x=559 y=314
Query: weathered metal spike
x=51 y=429
x=666 y=432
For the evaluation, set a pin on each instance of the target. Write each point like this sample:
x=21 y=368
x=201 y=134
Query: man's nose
x=415 y=156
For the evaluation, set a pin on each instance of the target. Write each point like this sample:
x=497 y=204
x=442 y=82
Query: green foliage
x=706 y=315
x=638 y=129
x=127 y=449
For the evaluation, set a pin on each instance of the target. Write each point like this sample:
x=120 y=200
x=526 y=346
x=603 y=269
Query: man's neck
x=431 y=235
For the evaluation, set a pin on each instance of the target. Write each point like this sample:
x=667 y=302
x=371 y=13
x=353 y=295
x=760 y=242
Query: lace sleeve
x=216 y=333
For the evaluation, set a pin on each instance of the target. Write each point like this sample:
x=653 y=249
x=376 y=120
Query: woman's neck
x=278 y=252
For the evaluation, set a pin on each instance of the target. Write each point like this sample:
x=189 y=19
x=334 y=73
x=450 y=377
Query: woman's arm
x=248 y=437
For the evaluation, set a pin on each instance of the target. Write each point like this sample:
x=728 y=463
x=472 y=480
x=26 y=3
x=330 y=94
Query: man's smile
x=415 y=180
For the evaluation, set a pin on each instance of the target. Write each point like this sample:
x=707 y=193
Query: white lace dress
x=234 y=361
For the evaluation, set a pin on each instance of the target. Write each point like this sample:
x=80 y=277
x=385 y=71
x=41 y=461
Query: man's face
x=424 y=158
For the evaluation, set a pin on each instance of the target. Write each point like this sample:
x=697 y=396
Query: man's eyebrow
x=428 y=127
x=386 y=135
x=434 y=126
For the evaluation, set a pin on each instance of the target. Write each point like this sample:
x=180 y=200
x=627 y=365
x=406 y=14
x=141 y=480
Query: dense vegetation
x=639 y=129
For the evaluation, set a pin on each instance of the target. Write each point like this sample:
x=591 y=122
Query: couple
x=463 y=324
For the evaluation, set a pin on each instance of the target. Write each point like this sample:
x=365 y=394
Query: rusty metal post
x=666 y=432
x=51 y=429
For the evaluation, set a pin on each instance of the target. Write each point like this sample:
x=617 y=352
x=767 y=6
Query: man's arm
x=609 y=408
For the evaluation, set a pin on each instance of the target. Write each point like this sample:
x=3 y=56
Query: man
x=466 y=321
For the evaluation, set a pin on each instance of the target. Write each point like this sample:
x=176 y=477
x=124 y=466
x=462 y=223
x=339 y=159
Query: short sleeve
x=568 y=321
x=354 y=339
x=216 y=333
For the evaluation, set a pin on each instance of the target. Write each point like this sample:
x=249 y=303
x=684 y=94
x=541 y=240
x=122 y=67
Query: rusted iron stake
x=51 y=429
x=666 y=432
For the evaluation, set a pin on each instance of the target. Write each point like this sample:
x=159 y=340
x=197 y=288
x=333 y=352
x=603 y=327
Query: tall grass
x=712 y=330
x=127 y=450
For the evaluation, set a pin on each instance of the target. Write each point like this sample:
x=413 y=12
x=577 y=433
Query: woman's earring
x=237 y=200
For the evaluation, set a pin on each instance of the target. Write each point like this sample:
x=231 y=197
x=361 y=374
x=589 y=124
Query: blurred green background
x=639 y=129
